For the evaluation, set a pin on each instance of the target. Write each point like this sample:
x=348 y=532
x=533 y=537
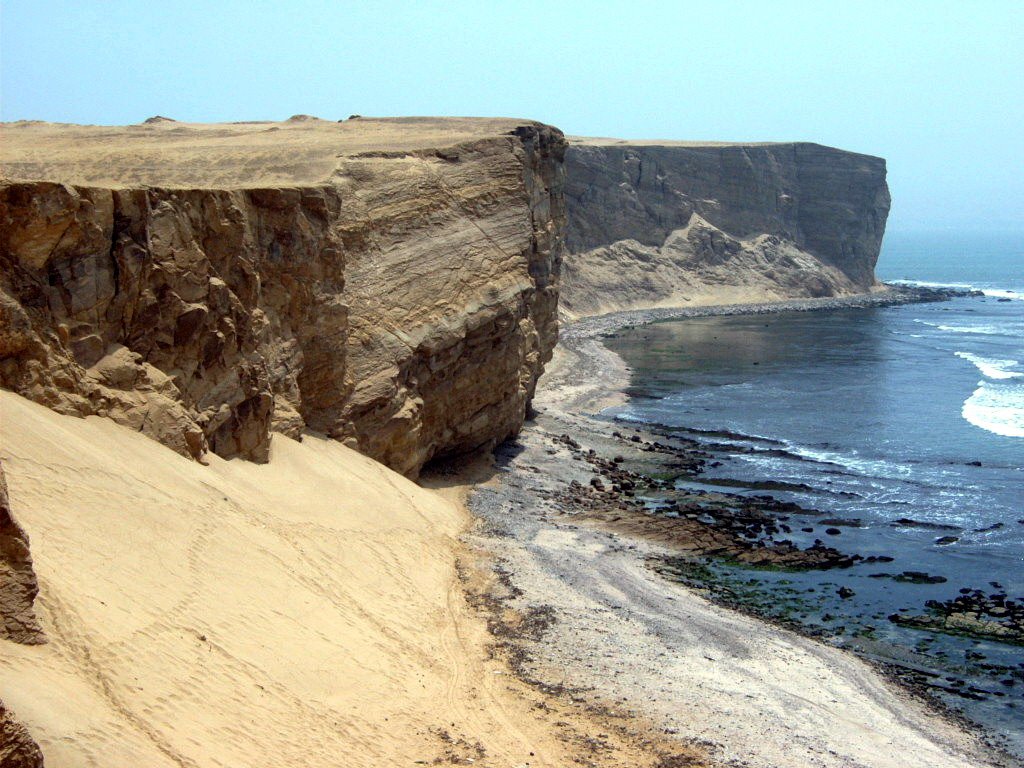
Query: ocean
x=902 y=426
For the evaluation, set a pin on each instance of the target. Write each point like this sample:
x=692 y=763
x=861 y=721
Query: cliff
x=391 y=283
x=671 y=223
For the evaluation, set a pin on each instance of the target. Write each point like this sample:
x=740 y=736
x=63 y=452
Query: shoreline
x=606 y=375
x=615 y=627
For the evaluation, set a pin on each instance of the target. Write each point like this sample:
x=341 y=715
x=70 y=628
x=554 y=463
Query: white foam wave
x=930 y=284
x=997 y=407
x=981 y=330
x=996 y=293
x=984 y=330
x=1001 y=293
x=856 y=464
x=991 y=367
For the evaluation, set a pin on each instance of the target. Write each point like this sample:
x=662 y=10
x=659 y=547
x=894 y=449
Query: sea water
x=912 y=412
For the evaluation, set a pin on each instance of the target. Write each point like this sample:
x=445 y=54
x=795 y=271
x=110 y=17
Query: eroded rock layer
x=18 y=585
x=392 y=283
x=17 y=747
x=669 y=223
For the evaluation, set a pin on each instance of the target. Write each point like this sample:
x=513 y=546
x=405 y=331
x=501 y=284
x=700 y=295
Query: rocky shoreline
x=571 y=522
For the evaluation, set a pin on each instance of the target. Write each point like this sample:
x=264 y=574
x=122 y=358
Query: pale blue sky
x=937 y=88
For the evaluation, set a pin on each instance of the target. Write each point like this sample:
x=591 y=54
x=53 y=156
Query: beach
x=561 y=517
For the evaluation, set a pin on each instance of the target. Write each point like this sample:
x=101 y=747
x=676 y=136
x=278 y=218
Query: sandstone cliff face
x=392 y=283
x=671 y=223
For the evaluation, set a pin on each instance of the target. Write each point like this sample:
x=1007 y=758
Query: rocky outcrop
x=18 y=587
x=391 y=283
x=658 y=224
x=17 y=747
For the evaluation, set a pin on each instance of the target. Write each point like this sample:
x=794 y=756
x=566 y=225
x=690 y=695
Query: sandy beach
x=616 y=634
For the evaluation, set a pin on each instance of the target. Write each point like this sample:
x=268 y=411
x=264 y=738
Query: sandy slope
x=304 y=612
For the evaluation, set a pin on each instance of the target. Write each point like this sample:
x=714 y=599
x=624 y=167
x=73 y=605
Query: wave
x=985 y=330
x=995 y=293
x=981 y=330
x=1001 y=293
x=992 y=368
x=997 y=407
x=855 y=464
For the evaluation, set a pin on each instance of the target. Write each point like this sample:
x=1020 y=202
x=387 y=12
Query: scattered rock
x=906 y=522
x=919 y=577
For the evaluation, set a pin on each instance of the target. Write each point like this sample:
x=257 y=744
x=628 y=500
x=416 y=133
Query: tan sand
x=305 y=612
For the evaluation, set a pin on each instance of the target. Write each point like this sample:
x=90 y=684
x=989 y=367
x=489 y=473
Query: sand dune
x=304 y=612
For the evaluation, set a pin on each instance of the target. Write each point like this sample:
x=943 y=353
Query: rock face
x=18 y=587
x=17 y=747
x=658 y=224
x=391 y=283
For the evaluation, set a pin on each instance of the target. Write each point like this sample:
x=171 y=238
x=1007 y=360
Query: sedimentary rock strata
x=656 y=224
x=391 y=283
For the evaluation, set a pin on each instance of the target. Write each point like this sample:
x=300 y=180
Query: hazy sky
x=937 y=88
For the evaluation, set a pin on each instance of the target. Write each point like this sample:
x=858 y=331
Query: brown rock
x=18 y=587
x=392 y=283
x=17 y=748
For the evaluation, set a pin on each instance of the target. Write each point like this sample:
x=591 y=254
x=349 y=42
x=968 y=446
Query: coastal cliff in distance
x=391 y=283
x=674 y=223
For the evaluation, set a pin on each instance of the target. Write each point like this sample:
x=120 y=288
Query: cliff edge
x=391 y=283
x=676 y=223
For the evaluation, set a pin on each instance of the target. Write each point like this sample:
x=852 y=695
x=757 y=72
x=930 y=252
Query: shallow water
x=907 y=412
